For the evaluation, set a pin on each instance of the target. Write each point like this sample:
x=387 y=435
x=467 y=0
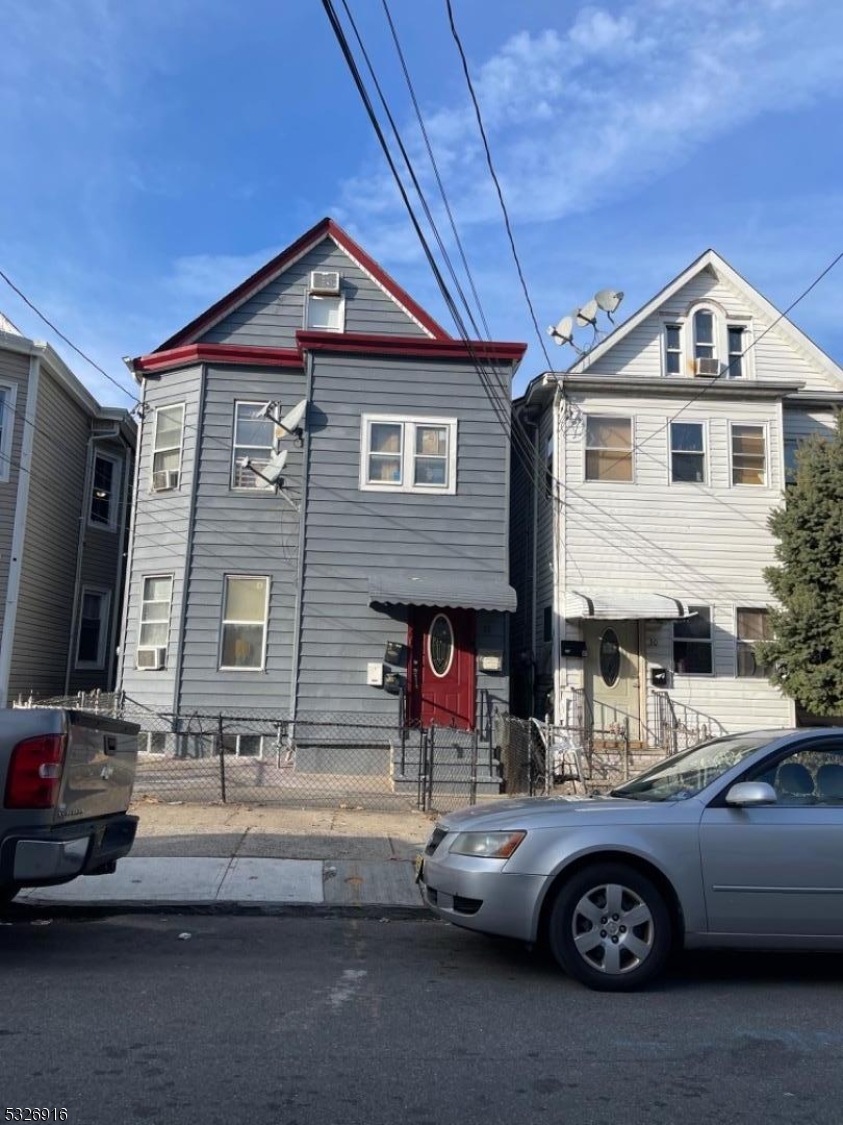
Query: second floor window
x=408 y=454
x=692 y=643
x=166 y=447
x=749 y=455
x=253 y=440
x=104 y=500
x=608 y=448
x=687 y=452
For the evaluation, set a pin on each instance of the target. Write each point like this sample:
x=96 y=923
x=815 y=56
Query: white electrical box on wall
x=491 y=662
x=374 y=673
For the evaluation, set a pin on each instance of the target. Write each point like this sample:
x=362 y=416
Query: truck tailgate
x=99 y=767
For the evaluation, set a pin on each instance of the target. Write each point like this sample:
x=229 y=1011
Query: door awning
x=450 y=591
x=623 y=605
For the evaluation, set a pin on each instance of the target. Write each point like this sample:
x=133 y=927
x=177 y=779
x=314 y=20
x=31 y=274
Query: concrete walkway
x=226 y=856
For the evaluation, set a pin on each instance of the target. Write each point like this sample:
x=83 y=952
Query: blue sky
x=154 y=154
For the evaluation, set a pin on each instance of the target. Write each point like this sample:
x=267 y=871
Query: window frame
x=256 y=490
x=751 y=644
x=97 y=665
x=765 y=429
x=586 y=449
x=7 y=429
x=144 y=578
x=116 y=482
x=695 y=640
x=716 y=322
x=340 y=297
x=225 y=621
x=666 y=351
x=670 y=451
x=409 y=424
x=168 y=449
x=238 y=753
x=736 y=326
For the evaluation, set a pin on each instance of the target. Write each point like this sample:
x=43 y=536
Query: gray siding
x=351 y=534
x=271 y=318
x=14 y=372
x=521 y=555
x=160 y=536
x=239 y=532
x=48 y=575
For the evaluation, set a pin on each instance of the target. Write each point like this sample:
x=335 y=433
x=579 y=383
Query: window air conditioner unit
x=151 y=659
x=707 y=367
x=164 y=480
x=325 y=281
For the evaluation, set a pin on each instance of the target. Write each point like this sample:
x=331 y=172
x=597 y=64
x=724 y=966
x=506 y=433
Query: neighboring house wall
x=272 y=317
x=14 y=375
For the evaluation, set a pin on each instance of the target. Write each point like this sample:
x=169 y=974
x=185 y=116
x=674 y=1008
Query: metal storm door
x=441 y=687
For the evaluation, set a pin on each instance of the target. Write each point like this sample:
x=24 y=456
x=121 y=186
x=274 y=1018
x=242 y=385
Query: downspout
x=130 y=554
x=10 y=613
x=121 y=561
x=534 y=478
x=188 y=550
x=558 y=527
x=299 y=608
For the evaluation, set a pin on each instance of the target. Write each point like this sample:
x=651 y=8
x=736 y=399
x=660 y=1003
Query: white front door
x=612 y=681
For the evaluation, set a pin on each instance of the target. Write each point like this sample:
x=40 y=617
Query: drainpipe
x=295 y=661
x=188 y=550
x=124 y=617
x=121 y=560
x=558 y=527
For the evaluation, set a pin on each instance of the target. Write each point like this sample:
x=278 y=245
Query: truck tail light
x=34 y=776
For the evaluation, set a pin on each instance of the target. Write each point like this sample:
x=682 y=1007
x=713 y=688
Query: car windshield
x=686 y=774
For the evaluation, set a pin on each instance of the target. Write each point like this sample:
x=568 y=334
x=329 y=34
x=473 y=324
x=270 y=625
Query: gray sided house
x=639 y=563
x=378 y=572
x=66 y=467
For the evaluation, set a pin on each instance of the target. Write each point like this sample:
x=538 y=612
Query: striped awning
x=623 y=605
x=449 y=591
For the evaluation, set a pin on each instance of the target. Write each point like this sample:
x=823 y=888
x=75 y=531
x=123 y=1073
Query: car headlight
x=491 y=845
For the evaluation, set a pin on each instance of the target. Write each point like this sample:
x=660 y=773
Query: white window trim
x=116 y=481
x=585 y=448
x=696 y=640
x=144 y=578
x=748 y=353
x=679 y=323
x=705 y=453
x=97 y=665
x=408 y=454
x=7 y=439
x=757 y=425
x=242 y=488
x=716 y=331
x=739 y=642
x=169 y=448
x=224 y=621
x=324 y=297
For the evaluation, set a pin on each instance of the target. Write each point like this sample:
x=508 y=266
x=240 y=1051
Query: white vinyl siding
x=408 y=454
x=244 y=620
x=167 y=447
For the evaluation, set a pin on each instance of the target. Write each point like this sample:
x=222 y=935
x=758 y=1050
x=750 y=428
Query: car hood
x=537 y=811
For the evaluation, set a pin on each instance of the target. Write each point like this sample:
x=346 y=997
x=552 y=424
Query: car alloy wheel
x=613 y=929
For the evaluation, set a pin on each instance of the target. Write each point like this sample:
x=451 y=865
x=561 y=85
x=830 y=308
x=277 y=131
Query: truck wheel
x=8 y=891
x=610 y=928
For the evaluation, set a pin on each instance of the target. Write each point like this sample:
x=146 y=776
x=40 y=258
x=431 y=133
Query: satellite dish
x=275 y=466
x=268 y=410
x=587 y=314
x=608 y=300
x=291 y=423
x=563 y=333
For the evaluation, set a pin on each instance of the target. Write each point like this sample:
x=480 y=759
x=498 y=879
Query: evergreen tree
x=805 y=658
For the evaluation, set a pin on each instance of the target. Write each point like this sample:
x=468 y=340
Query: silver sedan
x=737 y=842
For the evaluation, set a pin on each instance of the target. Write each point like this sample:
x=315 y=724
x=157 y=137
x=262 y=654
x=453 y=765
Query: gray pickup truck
x=66 y=781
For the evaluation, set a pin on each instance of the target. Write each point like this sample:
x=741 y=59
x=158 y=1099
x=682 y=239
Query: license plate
x=418 y=863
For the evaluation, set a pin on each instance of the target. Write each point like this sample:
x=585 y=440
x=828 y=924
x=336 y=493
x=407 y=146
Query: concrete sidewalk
x=225 y=856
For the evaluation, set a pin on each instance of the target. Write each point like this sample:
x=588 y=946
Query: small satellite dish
x=608 y=300
x=587 y=314
x=291 y=423
x=563 y=333
x=275 y=466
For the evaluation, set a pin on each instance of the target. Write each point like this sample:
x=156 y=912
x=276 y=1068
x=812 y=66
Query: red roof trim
x=324 y=228
x=216 y=353
x=363 y=344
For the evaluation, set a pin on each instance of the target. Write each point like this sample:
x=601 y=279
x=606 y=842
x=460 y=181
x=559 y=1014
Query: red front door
x=441 y=683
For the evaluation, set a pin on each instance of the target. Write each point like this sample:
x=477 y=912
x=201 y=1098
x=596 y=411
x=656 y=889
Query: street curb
x=81 y=912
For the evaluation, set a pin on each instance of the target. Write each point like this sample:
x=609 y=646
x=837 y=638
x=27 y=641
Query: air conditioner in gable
x=325 y=282
x=707 y=367
x=165 y=480
x=151 y=658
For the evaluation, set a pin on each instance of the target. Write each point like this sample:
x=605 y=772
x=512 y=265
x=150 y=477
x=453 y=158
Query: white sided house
x=666 y=449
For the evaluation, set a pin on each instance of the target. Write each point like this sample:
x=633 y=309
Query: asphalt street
x=294 y=1021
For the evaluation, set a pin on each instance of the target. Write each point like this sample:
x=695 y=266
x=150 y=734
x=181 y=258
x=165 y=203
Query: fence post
x=221 y=749
x=421 y=788
x=548 y=757
x=626 y=750
x=472 y=795
x=430 y=765
x=402 y=727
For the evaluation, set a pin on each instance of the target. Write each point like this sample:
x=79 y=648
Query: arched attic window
x=705 y=336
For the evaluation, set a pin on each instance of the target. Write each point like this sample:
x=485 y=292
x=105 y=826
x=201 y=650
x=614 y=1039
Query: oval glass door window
x=610 y=657
x=440 y=645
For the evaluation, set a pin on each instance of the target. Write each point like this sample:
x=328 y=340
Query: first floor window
x=166 y=447
x=791 y=447
x=753 y=626
x=154 y=634
x=608 y=448
x=408 y=454
x=749 y=455
x=692 y=643
x=93 y=627
x=244 y=616
x=253 y=441
x=687 y=452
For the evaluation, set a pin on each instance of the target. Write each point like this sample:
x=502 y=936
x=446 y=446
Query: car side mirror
x=748 y=794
